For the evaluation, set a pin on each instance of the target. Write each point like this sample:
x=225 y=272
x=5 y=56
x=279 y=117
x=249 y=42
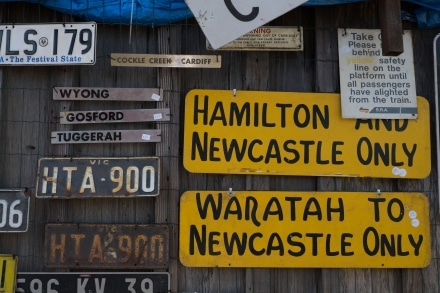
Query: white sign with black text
x=224 y=21
x=375 y=86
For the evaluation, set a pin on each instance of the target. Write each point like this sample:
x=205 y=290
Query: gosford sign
x=112 y=116
x=287 y=133
x=304 y=229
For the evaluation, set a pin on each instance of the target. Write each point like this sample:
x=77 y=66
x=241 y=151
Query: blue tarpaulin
x=161 y=12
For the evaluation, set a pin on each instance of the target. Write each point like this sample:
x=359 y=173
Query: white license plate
x=48 y=44
x=97 y=177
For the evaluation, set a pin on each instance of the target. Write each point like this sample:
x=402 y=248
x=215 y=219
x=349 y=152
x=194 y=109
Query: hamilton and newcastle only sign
x=288 y=133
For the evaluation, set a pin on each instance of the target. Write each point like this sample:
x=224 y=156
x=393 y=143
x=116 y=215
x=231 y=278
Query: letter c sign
x=251 y=16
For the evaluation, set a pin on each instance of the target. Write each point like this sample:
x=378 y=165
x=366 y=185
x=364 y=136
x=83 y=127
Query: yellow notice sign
x=8 y=273
x=304 y=229
x=286 y=133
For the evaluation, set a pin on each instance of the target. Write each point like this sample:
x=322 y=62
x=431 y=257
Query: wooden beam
x=391 y=27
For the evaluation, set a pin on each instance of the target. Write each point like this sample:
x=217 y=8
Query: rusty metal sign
x=120 y=246
x=105 y=136
x=107 y=94
x=97 y=177
x=266 y=38
x=114 y=116
x=108 y=282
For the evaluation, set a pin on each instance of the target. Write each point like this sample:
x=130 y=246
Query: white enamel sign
x=224 y=21
x=375 y=86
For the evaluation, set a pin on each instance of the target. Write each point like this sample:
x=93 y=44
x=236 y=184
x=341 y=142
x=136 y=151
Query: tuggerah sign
x=97 y=177
x=287 y=133
x=122 y=246
x=313 y=229
x=108 y=282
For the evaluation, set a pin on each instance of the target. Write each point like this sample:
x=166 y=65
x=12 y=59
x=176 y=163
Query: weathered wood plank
x=391 y=27
x=166 y=207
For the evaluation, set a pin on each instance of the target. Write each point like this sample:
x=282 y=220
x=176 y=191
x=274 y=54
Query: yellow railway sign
x=8 y=273
x=304 y=229
x=287 y=133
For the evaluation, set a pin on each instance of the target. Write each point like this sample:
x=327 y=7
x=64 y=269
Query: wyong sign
x=313 y=229
x=286 y=133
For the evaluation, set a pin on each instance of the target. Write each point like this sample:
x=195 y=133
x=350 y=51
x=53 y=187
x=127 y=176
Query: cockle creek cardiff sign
x=312 y=229
x=289 y=133
x=162 y=60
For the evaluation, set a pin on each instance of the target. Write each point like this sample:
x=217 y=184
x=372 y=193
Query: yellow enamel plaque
x=8 y=272
x=286 y=133
x=304 y=229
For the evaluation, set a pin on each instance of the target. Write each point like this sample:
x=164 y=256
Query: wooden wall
x=28 y=115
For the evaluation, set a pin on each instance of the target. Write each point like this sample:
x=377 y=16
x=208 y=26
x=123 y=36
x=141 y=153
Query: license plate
x=97 y=177
x=48 y=44
x=14 y=211
x=93 y=282
x=107 y=246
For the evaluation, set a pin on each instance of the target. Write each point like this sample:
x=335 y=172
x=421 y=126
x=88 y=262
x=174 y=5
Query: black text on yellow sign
x=286 y=133
x=304 y=229
x=8 y=273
